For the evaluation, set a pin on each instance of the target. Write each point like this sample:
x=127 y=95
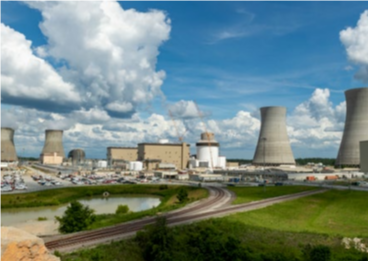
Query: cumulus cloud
x=111 y=53
x=355 y=41
x=184 y=110
x=104 y=58
x=27 y=79
x=316 y=123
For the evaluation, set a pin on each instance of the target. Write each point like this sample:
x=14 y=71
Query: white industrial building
x=208 y=153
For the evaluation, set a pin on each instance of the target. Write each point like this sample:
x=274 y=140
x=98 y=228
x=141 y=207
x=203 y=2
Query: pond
x=100 y=205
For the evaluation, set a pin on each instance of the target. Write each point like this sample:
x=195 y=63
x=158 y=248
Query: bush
x=317 y=253
x=122 y=209
x=76 y=218
x=41 y=218
x=163 y=187
x=182 y=195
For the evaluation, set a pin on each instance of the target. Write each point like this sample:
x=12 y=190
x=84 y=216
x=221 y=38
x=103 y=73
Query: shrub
x=182 y=195
x=76 y=218
x=122 y=209
x=42 y=218
x=163 y=187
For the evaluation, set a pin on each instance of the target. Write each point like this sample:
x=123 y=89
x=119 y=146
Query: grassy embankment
x=281 y=230
x=248 y=194
x=62 y=196
x=337 y=213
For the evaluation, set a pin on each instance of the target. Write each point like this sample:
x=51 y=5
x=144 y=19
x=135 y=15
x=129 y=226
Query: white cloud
x=27 y=77
x=111 y=53
x=184 y=110
x=355 y=41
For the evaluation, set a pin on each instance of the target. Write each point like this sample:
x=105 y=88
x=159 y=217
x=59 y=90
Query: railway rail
x=186 y=215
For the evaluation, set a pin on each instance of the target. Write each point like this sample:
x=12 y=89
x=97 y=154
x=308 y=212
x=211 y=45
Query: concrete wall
x=273 y=146
x=122 y=153
x=356 y=127
x=51 y=159
x=174 y=153
x=364 y=156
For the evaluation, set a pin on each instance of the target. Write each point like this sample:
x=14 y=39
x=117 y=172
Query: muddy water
x=100 y=205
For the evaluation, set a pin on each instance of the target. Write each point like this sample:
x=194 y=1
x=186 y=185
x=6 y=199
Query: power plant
x=77 y=156
x=208 y=151
x=53 y=150
x=273 y=146
x=8 y=153
x=356 y=127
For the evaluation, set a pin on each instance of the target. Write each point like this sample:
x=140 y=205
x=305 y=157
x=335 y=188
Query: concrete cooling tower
x=8 y=152
x=356 y=127
x=54 y=143
x=273 y=146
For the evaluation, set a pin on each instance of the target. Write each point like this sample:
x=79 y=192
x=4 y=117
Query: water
x=100 y=205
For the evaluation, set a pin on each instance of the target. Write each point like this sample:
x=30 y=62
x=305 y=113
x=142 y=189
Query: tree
x=156 y=241
x=182 y=195
x=317 y=253
x=122 y=209
x=76 y=217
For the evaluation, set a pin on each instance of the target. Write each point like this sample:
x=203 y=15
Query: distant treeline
x=299 y=161
x=28 y=158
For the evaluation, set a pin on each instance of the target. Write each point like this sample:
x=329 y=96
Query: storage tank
x=208 y=149
x=8 y=152
x=356 y=127
x=273 y=146
x=54 y=143
x=135 y=165
x=221 y=162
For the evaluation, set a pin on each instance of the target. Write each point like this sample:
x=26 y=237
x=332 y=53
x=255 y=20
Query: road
x=216 y=205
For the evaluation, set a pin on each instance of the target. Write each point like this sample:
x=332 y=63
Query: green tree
x=317 y=253
x=122 y=209
x=76 y=217
x=182 y=195
x=156 y=241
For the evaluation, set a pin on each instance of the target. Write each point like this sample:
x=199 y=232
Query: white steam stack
x=356 y=127
x=273 y=146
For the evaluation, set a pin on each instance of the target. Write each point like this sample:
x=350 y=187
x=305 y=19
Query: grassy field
x=334 y=212
x=248 y=194
x=272 y=244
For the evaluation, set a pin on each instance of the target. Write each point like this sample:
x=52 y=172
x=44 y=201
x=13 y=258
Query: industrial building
x=163 y=152
x=208 y=152
x=356 y=127
x=8 y=152
x=120 y=156
x=53 y=150
x=364 y=156
x=77 y=156
x=273 y=146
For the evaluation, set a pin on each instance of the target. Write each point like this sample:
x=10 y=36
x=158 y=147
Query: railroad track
x=126 y=228
x=178 y=217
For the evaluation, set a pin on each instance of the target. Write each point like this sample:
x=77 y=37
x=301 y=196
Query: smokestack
x=273 y=146
x=54 y=143
x=8 y=152
x=356 y=127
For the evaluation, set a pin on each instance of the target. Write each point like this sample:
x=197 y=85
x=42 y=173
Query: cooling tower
x=273 y=146
x=8 y=152
x=356 y=127
x=53 y=143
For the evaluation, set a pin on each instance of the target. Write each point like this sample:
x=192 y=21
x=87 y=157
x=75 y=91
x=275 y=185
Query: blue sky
x=229 y=57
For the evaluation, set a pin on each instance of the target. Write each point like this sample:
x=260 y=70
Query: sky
x=111 y=73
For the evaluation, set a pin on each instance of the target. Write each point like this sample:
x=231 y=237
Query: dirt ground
x=38 y=228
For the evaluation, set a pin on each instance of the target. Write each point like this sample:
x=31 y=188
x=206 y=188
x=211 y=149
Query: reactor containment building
x=356 y=127
x=8 y=153
x=273 y=146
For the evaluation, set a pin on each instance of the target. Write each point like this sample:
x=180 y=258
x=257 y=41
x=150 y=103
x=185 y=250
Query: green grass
x=257 y=240
x=248 y=194
x=334 y=212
